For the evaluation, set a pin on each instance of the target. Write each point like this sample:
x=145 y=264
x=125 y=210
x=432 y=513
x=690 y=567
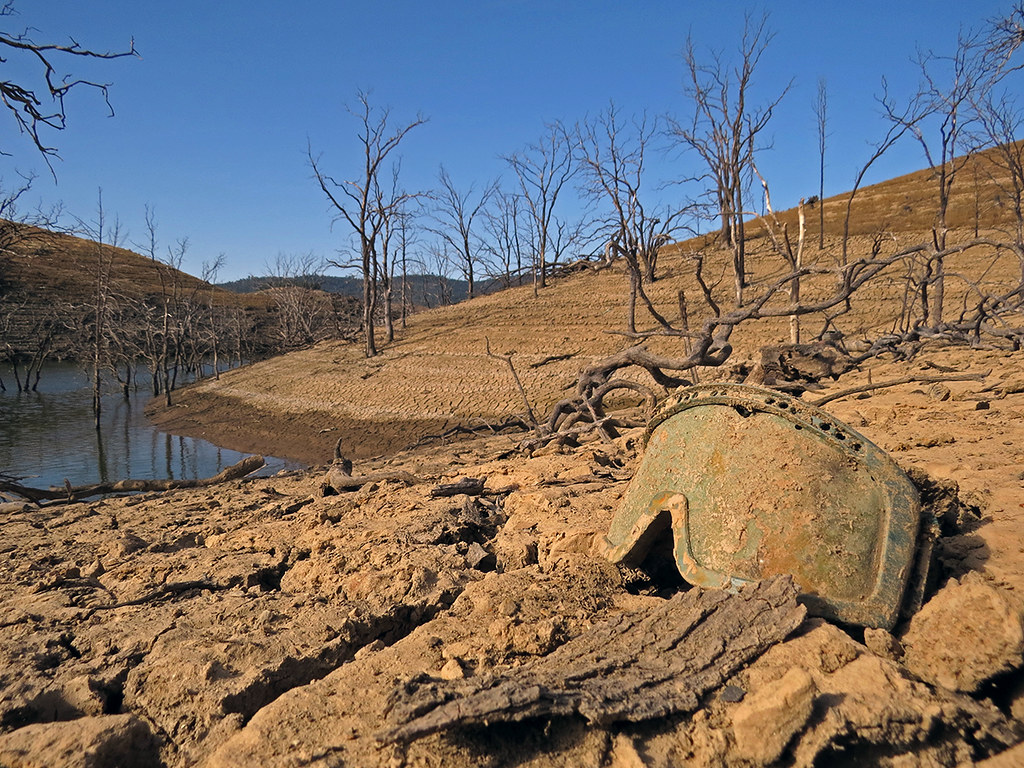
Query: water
x=49 y=435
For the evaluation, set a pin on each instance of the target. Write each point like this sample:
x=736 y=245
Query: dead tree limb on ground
x=633 y=667
x=470 y=486
x=898 y=382
x=71 y=493
x=708 y=345
x=340 y=479
x=515 y=377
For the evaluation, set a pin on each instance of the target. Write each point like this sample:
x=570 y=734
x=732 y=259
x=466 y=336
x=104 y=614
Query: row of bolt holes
x=824 y=426
x=782 y=405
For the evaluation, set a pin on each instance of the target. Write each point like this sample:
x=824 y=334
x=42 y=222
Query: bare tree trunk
x=369 y=305
x=794 y=287
x=820 y=111
x=389 y=322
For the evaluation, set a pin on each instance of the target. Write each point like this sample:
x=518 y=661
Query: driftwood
x=634 y=667
x=339 y=480
x=897 y=382
x=73 y=493
x=471 y=486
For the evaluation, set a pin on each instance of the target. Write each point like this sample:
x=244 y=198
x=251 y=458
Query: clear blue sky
x=212 y=122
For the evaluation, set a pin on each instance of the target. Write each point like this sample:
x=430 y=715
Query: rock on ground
x=967 y=634
x=110 y=741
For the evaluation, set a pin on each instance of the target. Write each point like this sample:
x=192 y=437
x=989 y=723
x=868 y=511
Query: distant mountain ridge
x=424 y=290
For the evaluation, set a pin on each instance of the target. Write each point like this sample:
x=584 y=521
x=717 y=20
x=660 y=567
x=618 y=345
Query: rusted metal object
x=751 y=483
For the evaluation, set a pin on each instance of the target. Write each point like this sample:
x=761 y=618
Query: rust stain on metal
x=752 y=483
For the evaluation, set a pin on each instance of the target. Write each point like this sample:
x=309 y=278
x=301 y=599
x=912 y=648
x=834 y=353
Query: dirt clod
x=768 y=719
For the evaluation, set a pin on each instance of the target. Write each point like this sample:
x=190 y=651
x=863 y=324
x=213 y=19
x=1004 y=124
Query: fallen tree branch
x=515 y=377
x=553 y=359
x=897 y=382
x=513 y=422
x=471 y=486
x=338 y=482
x=71 y=493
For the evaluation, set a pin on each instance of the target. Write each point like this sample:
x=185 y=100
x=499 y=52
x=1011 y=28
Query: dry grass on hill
x=63 y=267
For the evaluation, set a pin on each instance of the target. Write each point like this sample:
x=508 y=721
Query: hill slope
x=437 y=374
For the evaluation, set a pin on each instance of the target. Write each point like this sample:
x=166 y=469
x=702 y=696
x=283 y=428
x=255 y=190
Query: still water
x=49 y=435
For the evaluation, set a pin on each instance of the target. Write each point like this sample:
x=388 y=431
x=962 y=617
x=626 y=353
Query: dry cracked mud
x=262 y=623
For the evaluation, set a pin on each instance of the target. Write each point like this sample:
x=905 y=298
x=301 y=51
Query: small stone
x=936 y=439
x=479 y=558
x=939 y=392
x=129 y=543
x=508 y=607
x=881 y=643
x=452 y=670
x=769 y=718
x=982 y=405
x=732 y=694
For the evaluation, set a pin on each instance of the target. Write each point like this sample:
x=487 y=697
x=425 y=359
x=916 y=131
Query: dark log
x=471 y=486
x=71 y=493
x=633 y=667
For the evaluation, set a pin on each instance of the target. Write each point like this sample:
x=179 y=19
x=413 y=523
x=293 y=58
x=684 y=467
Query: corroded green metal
x=751 y=483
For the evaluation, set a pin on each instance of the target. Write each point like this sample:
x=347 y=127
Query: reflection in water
x=47 y=436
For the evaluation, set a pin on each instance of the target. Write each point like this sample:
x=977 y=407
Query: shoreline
x=308 y=438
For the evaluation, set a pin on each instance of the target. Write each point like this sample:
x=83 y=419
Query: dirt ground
x=263 y=623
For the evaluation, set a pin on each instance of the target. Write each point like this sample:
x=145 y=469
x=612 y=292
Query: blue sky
x=212 y=122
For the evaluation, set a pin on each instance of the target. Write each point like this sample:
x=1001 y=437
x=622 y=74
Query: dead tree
x=821 y=117
x=612 y=152
x=454 y=213
x=303 y=310
x=782 y=244
x=724 y=131
x=507 y=236
x=359 y=203
x=939 y=117
x=1000 y=120
x=26 y=101
x=543 y=170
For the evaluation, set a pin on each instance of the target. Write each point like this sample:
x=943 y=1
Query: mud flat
x=262 y=623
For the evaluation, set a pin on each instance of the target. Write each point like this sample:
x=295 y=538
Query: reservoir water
x=49 y=435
